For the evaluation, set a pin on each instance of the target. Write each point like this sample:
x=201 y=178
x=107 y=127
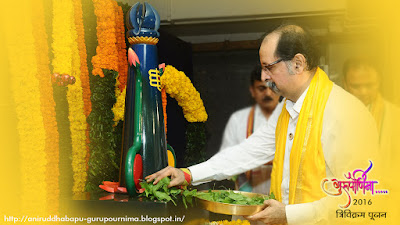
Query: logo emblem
x=154 y=78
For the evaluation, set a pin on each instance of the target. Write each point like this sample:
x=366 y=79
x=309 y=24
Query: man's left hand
x=274 y=213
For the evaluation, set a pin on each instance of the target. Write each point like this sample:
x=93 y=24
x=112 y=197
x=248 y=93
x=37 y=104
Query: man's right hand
x=177 y=176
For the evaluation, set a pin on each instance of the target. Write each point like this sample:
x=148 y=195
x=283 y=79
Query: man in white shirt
x=243 y=123
x=316 y=133
x=361 y=78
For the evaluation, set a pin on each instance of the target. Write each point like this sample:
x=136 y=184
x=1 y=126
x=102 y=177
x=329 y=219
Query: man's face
x=263 y=95
x=277 y=75
x=363 y=83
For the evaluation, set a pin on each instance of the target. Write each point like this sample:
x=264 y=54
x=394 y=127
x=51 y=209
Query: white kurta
x=236 y=131
x=347 y=127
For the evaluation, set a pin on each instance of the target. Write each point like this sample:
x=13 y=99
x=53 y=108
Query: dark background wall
x=223 y=79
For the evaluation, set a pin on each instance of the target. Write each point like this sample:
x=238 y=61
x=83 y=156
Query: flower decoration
x=107 y=68
x=47 y=108
x=179 y=86
x=26 y=93
x=67 y=61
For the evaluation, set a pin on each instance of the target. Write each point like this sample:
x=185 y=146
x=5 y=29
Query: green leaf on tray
x=161 y=192
x=232 y=197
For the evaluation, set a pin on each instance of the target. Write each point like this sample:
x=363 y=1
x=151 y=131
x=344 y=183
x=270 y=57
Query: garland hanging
x=121 y=47
x=107 y=55
x=76 y=116
x=104 y=157
x=179 y=86
x=47 y=108
x=31 y=131
x=84 y=68
x=164 y=106
x=62 y=58
x=89 y=22
x=120 y=87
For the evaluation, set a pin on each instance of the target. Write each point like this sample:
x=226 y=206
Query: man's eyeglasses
x=268 y=67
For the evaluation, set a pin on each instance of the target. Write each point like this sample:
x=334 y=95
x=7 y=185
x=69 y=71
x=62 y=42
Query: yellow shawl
x=307 y=163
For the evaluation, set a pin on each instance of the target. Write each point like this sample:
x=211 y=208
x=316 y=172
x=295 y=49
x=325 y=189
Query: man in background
x=361 y=78
x=241 y=125
x=319 y=132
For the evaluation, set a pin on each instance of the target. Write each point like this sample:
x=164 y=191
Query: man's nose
x=265 y=76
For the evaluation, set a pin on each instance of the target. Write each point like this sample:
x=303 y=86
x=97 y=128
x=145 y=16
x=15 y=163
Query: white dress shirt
x=236 y=129
x=347 y=126
x=235 y=132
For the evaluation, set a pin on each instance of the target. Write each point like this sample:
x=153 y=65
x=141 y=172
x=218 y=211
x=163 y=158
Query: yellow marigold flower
x=179 y=86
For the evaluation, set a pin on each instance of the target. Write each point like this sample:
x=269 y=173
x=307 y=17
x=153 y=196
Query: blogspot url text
x=55 y=218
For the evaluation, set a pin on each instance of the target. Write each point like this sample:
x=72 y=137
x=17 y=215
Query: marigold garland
x=26 y=94
x=120 y=86
x=104 y=158
x=84 y=67
x=107 y=55
x=67 y=60
x=76 y=111
x=179 y=86
x=121 y=47
x=47 y=108
x=89 y=22
x=83 y=56
x=164 y=105
x=119 y=107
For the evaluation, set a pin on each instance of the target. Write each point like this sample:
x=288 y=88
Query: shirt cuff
x=200 y=173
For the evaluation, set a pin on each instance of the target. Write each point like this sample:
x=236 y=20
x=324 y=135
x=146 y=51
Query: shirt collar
x=294 y=108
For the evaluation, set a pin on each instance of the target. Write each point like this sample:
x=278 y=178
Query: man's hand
x=177 y=176
x=273 y=213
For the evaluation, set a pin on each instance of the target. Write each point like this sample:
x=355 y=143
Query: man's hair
x=359 y=63
x=294 y=39
x=255 y=74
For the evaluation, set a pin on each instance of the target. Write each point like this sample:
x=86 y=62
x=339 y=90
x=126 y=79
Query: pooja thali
x=231 y=209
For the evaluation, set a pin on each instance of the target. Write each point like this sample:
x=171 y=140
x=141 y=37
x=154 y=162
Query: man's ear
x=251 y=89
x=299 y=63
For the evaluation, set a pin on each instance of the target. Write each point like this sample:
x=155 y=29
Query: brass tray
x=231 y=209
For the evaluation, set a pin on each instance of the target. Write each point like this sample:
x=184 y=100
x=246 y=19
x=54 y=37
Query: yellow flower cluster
x=64 y=43
x=226 y=222
x=179 y=86
x=48 y=108
x=87 y=103
x=120 y=85
x=119 y=107
x=26 y=95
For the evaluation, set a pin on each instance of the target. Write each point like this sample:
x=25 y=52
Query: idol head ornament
x=143 y=20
